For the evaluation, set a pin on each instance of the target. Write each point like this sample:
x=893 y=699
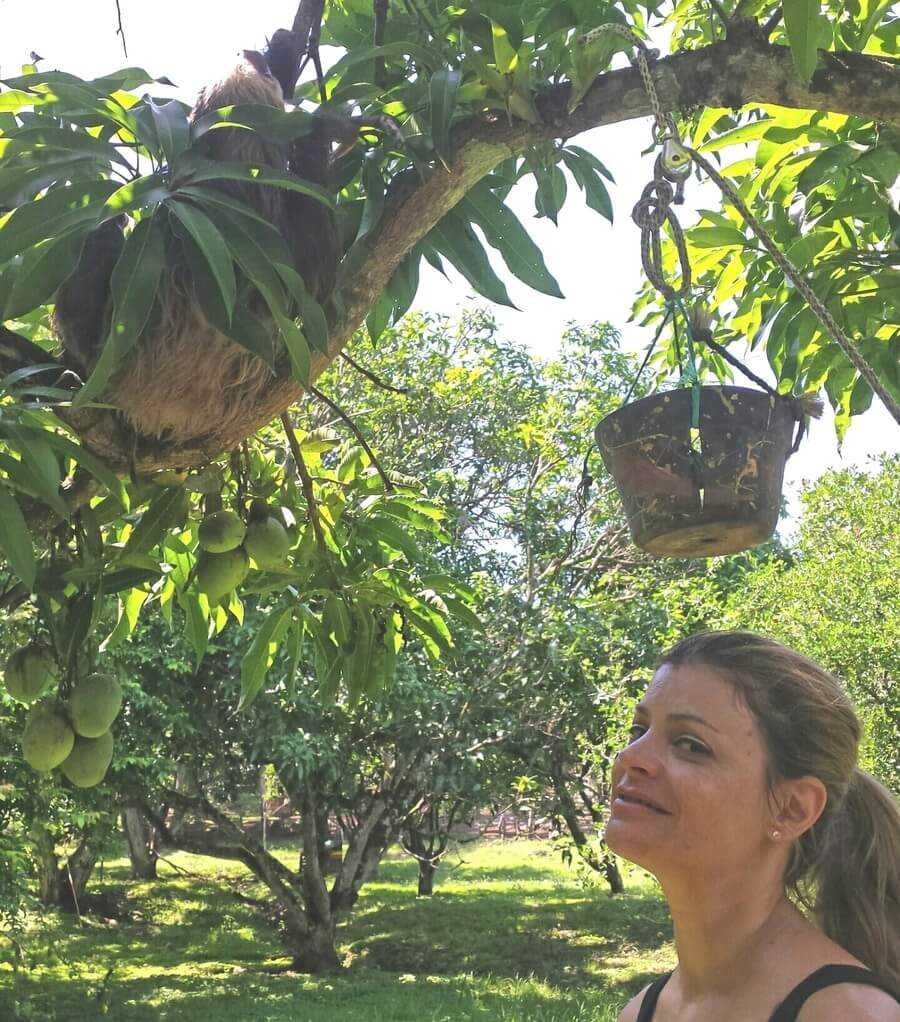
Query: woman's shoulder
x=855 y=1001
x=832 y=993
x=632 y=1009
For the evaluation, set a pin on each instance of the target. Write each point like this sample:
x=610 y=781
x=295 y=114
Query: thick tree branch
x=743 y=69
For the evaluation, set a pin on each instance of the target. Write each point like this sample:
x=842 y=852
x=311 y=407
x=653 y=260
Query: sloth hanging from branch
x=213 y=339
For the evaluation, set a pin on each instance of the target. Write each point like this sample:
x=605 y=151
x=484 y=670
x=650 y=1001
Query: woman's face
x=696 y=755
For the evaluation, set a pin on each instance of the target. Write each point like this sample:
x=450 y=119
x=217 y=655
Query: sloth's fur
x=186 y=379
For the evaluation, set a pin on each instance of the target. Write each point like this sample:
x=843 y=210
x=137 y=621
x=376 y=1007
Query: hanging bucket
x=718 y=496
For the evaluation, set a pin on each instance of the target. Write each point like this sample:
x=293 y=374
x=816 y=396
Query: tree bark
x=62 y=885
x=612 y=874
x=48 y=872
x=427 y=869
x=142 y=839
x=310 y=911
x=313 y=949
x=740 y=70
x=604 y=863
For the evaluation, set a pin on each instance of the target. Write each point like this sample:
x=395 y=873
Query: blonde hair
x=846 y=868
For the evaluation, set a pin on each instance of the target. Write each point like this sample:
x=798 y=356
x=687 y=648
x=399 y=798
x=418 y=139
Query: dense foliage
x=455 y=104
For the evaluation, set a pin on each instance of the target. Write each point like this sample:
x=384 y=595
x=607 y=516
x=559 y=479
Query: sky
x=596 y=264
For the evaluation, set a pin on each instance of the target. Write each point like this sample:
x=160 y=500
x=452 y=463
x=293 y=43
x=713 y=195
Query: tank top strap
x=648 y=1005
x=828 y=975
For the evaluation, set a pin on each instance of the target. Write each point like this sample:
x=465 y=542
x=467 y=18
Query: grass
x=509 y=935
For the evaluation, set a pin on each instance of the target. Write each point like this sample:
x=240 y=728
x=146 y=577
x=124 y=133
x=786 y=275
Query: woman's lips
x=626 y=803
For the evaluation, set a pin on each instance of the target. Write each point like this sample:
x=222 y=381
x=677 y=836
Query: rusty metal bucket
x=720 y=494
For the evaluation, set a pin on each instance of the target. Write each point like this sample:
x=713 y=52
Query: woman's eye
x=635 y=731
x=691 y=745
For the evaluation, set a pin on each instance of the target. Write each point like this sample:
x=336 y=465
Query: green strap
x=689 y=369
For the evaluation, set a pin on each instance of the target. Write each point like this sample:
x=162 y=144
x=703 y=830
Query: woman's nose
x=641 y=755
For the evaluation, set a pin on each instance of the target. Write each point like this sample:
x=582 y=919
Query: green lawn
x=509 y=935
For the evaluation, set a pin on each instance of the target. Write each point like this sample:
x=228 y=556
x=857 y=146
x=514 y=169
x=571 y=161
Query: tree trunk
x=427 y=869
x=63 y=886
x=612 y=874
x=48 y=872
x=313 y=948
x=186 y=784
x=142 y=841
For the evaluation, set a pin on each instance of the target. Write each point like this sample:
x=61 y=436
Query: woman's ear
x=799 y=802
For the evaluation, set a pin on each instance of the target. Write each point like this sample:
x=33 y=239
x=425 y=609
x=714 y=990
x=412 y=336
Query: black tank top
x=790 y=1007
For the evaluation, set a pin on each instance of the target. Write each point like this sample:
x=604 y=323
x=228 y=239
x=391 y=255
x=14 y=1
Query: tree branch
x=120 y=31
x=345 y=418
x=740 y=70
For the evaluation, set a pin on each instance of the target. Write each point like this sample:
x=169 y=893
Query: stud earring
x=776 y=834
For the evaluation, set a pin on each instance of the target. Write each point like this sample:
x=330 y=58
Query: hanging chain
x=652 y=211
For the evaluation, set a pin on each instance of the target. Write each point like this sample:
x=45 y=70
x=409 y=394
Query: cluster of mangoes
x=73 y=734
x=228 y=545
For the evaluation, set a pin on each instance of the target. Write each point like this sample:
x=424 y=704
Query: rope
x=653 y=210
x=818 y=307
x=653 y=344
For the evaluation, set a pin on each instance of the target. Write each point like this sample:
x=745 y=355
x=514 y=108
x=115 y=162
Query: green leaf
x=259 y=657
x=50 y=142
x=172 y=126
x=801 y=19
x=43 y=270
x=133 y=285
x=143 y=191
x=404 y=283
x=196 y=625
x=379 y=316
x=15 y=539
x=245 y=327
x=589 y=180
x=88 y=460
x=504 y=232
x=591 y=160
x=315 y=325
x=127 y=578
x=454 y=238
x=717 y=237
x=297 y=346
x=551 y=192
x=442 y=91
x=373 y=184
x=256 y=247
x=218 y=200
x=359 y=663
x=60 y=210
x=164 y=512
x=212 y=245
x=588 y=60
x=825 y=166
x=43 y=468
x=505 y=54
x=425 y=56
x=736 y=136
x=129 y=612
x=267 y=121
x=15 y=100
x=391 y=534
x=192 y=171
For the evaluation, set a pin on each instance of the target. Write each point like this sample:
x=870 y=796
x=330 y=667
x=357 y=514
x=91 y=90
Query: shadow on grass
x=508 y=935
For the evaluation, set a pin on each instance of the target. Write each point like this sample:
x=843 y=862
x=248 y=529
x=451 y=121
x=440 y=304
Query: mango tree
x=458 y=103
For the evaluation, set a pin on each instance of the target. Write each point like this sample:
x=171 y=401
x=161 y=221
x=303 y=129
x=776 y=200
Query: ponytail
x=852 y=883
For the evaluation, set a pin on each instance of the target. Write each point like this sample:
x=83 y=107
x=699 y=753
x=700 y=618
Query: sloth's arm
x=82 y=312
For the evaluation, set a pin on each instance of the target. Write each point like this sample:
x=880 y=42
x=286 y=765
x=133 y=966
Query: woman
x=739 y=791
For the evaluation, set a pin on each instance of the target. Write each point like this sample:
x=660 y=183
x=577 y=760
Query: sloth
x=185 y=379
